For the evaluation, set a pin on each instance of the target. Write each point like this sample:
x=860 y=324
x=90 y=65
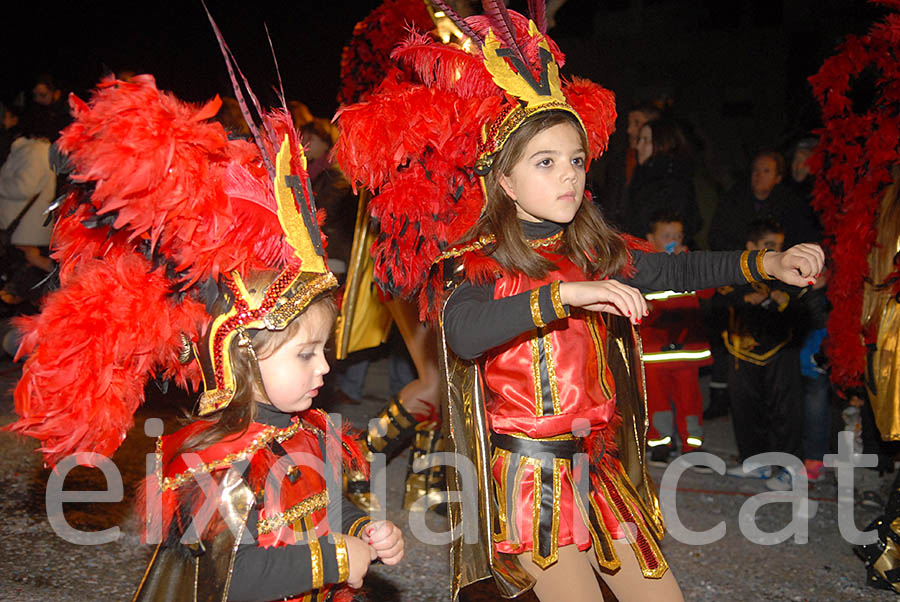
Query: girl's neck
x=537 y=230
x=268 y=414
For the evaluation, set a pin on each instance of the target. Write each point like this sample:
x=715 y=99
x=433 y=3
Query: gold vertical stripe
x=536 y=479
x=536 y=308
x=556 y=300
x=315 y=557
x=745 y=266
x=591 y=320
x=558 y=464
x=536 y=375
x=551 y=373
x=343 y=558
x=512 y=514
x=500 y=490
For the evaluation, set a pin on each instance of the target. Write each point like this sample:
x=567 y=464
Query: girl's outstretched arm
x=798 y=266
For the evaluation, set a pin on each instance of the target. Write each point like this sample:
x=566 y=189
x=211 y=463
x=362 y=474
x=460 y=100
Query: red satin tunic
x=540 y=382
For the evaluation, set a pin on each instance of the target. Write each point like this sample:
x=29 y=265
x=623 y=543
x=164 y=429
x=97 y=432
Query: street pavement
x=36 y=564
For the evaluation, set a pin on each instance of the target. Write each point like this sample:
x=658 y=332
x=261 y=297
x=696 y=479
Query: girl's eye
x=545 y=162
x=306 y=356
x=579 y=161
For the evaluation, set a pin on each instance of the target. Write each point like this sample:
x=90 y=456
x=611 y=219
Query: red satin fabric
x=583 y=379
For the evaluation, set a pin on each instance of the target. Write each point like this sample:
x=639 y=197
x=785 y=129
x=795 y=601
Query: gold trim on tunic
x=294 y=513
x=259 y=442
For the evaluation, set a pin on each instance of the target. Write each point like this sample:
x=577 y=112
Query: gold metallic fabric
x=363 y=321
x=534 y=302
x=885 y=376
x=174 y=575
x=558 y=306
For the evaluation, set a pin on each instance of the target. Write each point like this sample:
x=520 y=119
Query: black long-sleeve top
x=475 y=322
x=262 y=574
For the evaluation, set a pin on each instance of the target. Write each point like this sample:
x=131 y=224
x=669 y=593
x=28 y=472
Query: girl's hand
x=359 y=556
x=800 y=265
x=610 y=296
x=386 y=540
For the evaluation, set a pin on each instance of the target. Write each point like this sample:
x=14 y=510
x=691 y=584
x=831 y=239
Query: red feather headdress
x=166 y=209
x=422 y=139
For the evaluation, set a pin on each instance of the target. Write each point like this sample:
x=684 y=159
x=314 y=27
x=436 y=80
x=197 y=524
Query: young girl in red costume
x=185 y=254
x=484 y=191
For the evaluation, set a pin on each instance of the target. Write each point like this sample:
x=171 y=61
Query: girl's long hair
x=594 y=246
x=233 y=420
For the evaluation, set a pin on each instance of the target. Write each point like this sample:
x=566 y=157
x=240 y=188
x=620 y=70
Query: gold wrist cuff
x=557 y=302
x=759 y=265
x=745 y=266
x=357 y=526
x=343 y=558
x=536 y=308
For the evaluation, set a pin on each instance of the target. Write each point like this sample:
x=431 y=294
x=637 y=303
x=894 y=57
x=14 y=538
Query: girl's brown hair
x=234 y=419
x=589 y=241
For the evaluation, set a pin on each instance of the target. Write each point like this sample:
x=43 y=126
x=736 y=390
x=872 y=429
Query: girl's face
x=292 y=375
x=547 y=182
x=644 y=145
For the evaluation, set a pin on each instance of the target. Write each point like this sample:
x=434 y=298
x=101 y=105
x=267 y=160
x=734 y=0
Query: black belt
x=534 y=448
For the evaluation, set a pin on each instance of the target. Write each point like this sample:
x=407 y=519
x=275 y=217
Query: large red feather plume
x=163 y=201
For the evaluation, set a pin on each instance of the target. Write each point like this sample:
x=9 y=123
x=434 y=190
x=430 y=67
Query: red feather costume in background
x=857 y=167
x=852 y=163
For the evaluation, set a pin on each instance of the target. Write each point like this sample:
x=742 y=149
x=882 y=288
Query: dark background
x=734 y=69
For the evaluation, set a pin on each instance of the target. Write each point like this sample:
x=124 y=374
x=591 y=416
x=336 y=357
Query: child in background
x=674 y=350
x=764 y=368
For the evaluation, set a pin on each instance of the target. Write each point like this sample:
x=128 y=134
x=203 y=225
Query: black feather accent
x=537 y=9
x=497 y=12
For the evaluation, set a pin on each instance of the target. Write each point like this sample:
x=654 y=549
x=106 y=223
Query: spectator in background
x=8 y=129
x=767 y=198
x=611 y=185
x=764 y=368
x=27 y=188
x=663 y=181
x=50 y=112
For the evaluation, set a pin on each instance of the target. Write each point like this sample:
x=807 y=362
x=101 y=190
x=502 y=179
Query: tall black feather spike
x=497 y=12
x=232 y=66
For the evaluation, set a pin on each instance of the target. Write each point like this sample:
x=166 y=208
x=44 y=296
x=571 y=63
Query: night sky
x=80 y=41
